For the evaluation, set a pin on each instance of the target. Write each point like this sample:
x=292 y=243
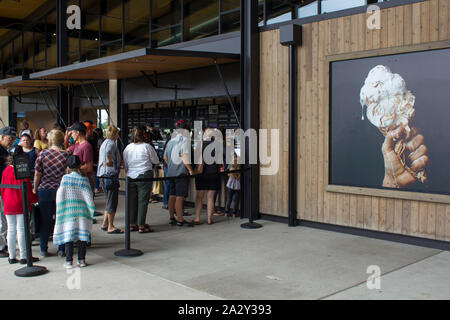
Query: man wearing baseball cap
x=7 y=137
x=82 y=149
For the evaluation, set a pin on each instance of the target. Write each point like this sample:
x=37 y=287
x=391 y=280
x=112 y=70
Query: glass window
x=284 y=17
x=230 y=5
x=336 y=5
x=308 y=10
x=231 y=22
x=201 y=19
x=165 y=13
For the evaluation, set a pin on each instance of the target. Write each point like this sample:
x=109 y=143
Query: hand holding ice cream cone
x=404 y=158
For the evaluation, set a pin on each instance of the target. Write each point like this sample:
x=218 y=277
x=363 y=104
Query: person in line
x=208 y=183
x=109 y=164
x=25 y=128
x=82 y=149
x=25 y=143
x=74 y=212
x=166 y=182
x=7 y=137
x=139 y=158
x=49 y=169
x=178 y=158
x=13 y=210
x=233 y=188
x=99 y=134
x=40 y=142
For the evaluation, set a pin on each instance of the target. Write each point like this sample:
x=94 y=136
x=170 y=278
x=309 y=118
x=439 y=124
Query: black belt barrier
x=128 y=251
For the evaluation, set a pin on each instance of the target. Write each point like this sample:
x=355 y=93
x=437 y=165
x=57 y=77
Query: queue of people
x=69 y=167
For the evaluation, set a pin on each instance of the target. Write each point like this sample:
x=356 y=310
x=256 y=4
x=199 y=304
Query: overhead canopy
x=23 y=85
x=125 y=65
x=131 y=64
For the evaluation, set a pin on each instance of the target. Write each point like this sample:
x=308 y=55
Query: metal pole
x=292 y=134
x=127 y=252
x=227 y=92
x=29 y=270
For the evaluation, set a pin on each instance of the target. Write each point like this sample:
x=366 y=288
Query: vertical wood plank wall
x=418 y=23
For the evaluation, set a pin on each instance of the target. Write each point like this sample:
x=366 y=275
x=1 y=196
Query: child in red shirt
x=13 y=210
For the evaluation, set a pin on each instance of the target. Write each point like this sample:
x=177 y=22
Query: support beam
x=250 y=103
x=113 y=102
x=4 y=111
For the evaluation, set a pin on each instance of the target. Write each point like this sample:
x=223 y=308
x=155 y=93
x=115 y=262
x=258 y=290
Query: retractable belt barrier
x=128 y=251
x=29 y=270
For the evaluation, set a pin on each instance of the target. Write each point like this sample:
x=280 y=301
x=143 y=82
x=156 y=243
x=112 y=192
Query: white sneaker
x=81 y=263
x=68 y=265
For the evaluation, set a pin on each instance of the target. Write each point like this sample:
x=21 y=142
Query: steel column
x=250 y=104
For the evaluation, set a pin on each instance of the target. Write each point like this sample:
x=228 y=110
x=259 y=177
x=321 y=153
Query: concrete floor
x=224 y=261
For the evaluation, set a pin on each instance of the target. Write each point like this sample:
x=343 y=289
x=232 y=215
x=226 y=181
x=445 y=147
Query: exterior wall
x=402 y=26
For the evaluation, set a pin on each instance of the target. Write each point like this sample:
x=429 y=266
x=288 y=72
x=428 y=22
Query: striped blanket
x=74 y=209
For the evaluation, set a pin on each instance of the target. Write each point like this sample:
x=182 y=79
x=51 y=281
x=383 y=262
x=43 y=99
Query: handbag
x=110 y=181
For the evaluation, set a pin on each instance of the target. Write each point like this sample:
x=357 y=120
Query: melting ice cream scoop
x=389 y=103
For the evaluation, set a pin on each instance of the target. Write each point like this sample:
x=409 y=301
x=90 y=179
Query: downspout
x=290 y=35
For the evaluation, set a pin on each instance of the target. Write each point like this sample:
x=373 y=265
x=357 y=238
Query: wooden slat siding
x=423 y=218
x=399 y=26
x=368 y=38
x=315 y=107
x=367 y=212
x=274 y=199
x=360 y=211
x=403 y=27
x=434 y=20
x=416 y=29
x=415 y=218
x=302 y=142
x=376 y=33
x=391 y=28
x=265 y=42
x=339 y=208
x=382 y=215
x=440 y=222
x=321 y=119
x=444 y=7
x=406 y=218
x=333 y=215
x=390 y=214
x=398 y=212
x=407 y=25
x=425 y=21
x=375 y=213
x=447 y=223
x=431 y=228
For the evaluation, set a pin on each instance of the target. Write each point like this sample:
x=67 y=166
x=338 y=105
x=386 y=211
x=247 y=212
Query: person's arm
x=125 y=159
x=153 y=155
x=37 y=180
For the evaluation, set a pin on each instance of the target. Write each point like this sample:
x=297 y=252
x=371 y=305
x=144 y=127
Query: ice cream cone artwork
x=390 y=108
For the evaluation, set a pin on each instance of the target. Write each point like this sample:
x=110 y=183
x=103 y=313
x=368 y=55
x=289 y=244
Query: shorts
x=179 y=187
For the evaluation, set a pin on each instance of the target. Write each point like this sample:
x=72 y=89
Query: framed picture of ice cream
x=388 y=123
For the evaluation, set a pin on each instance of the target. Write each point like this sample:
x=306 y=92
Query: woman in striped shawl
x=74 y=212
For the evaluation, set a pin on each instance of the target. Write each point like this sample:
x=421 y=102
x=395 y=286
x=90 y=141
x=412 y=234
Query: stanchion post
x=127 y=252
x=29 y=270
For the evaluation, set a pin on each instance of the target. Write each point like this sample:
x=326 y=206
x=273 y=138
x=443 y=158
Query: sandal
x=134 y=228
x=115 y=231
x=104 y=228
x=173 y=221
x=210 y=223
x=197 y=223
x=145 y=230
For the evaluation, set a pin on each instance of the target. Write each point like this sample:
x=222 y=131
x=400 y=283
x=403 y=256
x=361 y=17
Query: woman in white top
x=139 y=158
